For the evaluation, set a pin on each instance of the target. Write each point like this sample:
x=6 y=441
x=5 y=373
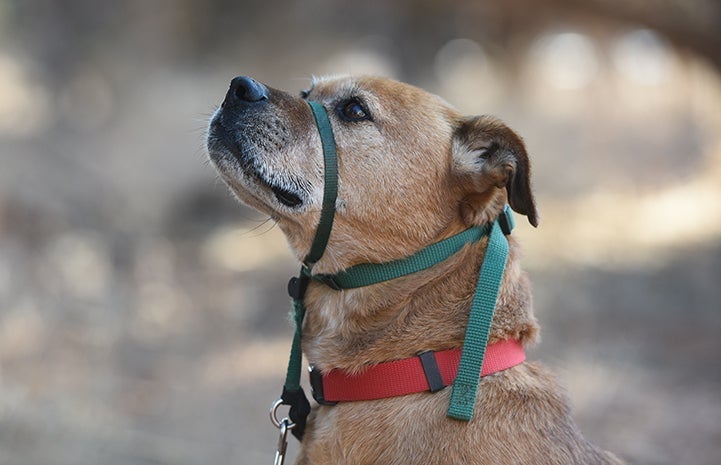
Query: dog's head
x=411 y=169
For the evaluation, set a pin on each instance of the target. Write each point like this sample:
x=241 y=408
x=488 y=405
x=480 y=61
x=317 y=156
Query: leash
x=466 y=383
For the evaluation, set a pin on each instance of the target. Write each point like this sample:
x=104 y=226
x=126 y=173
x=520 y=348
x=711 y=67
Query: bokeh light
x=25 y=104
x=566 y=60
x=642 y=57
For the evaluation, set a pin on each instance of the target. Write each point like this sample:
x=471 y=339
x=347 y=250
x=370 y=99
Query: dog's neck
x=427 y=310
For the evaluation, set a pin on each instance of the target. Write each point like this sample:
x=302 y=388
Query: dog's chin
x=252 y=183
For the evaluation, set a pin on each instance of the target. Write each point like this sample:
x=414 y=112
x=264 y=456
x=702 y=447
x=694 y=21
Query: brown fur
x=416 y=173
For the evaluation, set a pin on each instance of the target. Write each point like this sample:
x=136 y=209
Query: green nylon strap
x=322 y=233
x=465 y=387
x=295 y=361
x=292 y=392
x=330 y=186
x=366 y=274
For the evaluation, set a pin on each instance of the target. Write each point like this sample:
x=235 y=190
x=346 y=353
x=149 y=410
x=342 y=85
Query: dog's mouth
x=288 y=192
x=229 y=154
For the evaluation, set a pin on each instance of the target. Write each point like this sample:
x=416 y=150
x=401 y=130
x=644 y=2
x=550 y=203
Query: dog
x=412 y=171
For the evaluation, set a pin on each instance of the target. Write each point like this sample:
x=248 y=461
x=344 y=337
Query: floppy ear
x=487 y=154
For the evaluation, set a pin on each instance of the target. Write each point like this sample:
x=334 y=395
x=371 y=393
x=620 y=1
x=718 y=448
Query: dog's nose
x=245 y=89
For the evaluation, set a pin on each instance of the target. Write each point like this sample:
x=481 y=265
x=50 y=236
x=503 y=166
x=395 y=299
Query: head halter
x=465 y=386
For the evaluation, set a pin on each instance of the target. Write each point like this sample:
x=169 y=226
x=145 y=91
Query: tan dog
x=412 y=171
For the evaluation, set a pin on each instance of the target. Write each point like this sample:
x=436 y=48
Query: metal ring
x=274 y=418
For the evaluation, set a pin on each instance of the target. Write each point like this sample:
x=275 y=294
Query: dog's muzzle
x=240 y=127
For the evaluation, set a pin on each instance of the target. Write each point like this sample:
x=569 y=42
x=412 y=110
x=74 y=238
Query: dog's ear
x=487 y=154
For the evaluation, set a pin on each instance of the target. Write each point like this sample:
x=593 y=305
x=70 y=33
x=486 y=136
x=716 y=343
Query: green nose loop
x=330 y=185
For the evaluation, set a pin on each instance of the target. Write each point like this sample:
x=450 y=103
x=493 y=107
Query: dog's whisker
x=254 y=229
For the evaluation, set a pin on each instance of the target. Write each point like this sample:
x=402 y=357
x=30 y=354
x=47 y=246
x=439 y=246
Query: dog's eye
x=353 y=110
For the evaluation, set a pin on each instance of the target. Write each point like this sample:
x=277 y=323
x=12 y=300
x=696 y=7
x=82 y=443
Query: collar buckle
x=316 y=385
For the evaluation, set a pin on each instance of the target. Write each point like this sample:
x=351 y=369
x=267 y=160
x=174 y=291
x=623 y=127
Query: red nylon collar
x=410 y=375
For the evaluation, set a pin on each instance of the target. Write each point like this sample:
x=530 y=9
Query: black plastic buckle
x=430 y=368
x=316 y=385
x=299 y=410
x=506 y=221
x=298 y=285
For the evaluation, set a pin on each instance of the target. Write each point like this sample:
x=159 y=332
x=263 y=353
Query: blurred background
x=143 y=315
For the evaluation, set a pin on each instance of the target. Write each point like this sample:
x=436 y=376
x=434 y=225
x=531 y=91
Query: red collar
x=429 y=371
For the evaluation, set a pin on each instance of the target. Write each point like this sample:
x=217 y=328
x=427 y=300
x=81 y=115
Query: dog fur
x=413 y=172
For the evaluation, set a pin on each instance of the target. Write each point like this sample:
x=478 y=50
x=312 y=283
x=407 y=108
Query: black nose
x=245 y=89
